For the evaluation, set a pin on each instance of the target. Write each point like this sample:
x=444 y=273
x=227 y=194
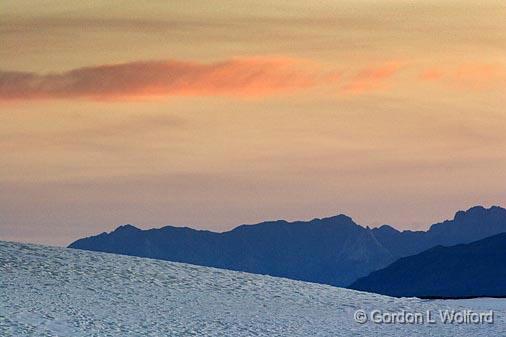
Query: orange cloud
x=432 y=74
x=470 y=75
x=372 y=78
x=242 y=77
x=480 y=75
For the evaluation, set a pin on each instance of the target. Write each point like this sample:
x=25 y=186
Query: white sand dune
x=48 y=291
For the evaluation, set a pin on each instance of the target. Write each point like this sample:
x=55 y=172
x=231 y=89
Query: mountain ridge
x=331 y=250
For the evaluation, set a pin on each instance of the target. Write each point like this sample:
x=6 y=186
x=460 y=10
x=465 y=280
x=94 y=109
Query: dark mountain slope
x=465 y=270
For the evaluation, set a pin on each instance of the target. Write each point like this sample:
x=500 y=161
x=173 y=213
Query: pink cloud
x=372 y=78
x=239 y=77
x=235 y=77
x=468 y=76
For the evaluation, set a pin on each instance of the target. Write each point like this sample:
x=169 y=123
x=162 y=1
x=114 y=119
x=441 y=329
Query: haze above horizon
x=210 y=116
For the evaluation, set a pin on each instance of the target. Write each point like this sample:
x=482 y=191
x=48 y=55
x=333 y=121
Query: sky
x=220 y=113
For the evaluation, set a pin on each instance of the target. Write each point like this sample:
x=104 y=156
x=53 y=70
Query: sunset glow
x=211 y=116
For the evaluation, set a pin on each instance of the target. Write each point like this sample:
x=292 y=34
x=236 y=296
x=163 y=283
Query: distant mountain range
x=475 y=269
x=332 y=250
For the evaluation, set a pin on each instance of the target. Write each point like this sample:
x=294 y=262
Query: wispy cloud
x=372 y=78
x=239 y=77
x=468 y=76
x=235 y=77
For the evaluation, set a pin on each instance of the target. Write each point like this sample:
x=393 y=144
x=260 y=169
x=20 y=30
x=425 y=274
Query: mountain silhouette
x=475 y=269
x=333 y=250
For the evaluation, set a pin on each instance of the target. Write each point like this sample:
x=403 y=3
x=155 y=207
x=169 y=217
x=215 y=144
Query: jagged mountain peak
x=332 y=250
x=478 y=211
x=126 y=227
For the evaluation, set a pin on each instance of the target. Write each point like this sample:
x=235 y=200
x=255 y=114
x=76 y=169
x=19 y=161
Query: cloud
x=235 y=77
x=432 y=74
x=372 y=78
x=468 y=76
x=238 y=77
